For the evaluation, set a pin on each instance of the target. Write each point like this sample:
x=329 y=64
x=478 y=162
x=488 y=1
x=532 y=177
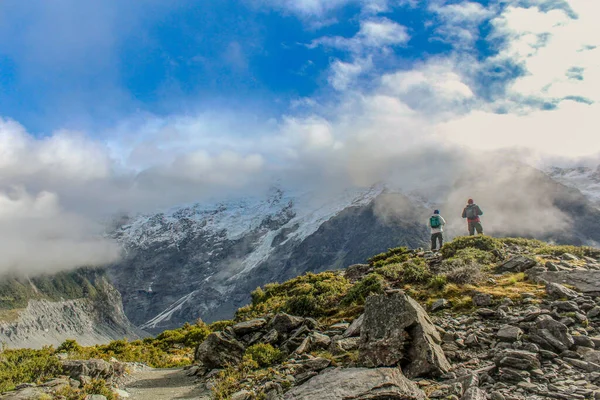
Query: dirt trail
x=164 y=384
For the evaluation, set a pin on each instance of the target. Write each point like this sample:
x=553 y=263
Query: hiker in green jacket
x=472 y=212
x=436 y=223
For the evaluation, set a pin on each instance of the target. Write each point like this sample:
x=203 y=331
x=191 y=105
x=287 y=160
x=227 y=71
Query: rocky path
x=163 y=384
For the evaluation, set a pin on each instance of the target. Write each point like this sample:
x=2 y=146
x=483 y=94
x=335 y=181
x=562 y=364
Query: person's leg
x=471 y=228
x=441 y=239
x=432 y=241
x=479 y=228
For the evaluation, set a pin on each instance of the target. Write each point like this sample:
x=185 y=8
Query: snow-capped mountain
x=585 y=179
x=204 y=260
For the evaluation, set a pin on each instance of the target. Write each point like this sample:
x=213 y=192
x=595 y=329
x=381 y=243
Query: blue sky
x=110 y=106
x=89 y=64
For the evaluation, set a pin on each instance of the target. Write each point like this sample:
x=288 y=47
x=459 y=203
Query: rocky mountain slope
x=513 y=332
x=203 y=260
x=484 y=318
x=585 y=179
x=47 y=310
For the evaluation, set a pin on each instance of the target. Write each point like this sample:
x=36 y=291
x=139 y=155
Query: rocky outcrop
x=219 y=350
x=397 y=331
x=95 y=318
x=357 y=383
x=584 y=280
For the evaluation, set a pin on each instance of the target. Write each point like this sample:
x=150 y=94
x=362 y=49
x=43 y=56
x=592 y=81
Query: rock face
x=219 y=350
x=357 y=383
x=94 y=316
x=94 y=368
x=397 y=331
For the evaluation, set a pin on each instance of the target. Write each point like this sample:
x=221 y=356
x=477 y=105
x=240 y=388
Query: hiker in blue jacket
x=436 y=223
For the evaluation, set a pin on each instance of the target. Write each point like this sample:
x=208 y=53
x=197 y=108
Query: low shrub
x=480 y=242
x=437 y=282
x=370 y=284
x=382 y=258
x=27 y=365
x=314 y=295
x=264 y=355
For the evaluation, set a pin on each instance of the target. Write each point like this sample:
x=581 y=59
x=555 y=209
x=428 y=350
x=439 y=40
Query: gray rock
x=271 y=337
x=512 y=375
x=396 y=328
x=29 y=393
x=584 y=365
x=246 y=327
x=242 y=395
x=594 y=312
x=219 y=350
x=482 y=299
x=509 y=333
x=497 y=396
x=517 y=359
x=94 y=368
x=304 y=347
x=315 y=364
x=553 y=332
x=340 y=345
x=569 y=256
x=357 y=383
x=585 y=281
x=516 y=264
x=566 y=305
x=354 y=328
x=319 y=341
x=589 y=355
x=440 y=304
x=285 y=323
x=95 y=397
x=558 y=291
x=474 y=394
x=583 y=341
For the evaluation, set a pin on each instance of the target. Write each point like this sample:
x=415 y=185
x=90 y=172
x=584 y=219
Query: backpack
x=472 y=212
x=435 y=222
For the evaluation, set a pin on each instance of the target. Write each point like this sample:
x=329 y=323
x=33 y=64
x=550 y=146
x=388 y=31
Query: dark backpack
x=472 y=212
x=435 y=221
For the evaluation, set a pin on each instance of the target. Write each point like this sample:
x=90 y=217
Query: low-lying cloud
x=434 y=130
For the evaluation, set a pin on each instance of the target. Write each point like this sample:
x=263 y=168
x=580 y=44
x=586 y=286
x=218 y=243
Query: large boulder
x=285 y=323
x=516 y=264
x=586 y=282
x=551 y=334
x=246 y=327
x=357 y=383
x=219 y=350
x=397 y=331
x=94 y=368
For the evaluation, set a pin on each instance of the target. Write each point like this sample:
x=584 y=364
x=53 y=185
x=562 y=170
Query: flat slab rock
x=357 y=383
x=587 y=282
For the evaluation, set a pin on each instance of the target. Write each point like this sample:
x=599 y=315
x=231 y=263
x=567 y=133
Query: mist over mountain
x=203 y=260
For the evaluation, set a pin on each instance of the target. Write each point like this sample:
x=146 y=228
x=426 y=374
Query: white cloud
x=319 y=8
x=416 y=126
x=459 y=22
x=374 y=33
